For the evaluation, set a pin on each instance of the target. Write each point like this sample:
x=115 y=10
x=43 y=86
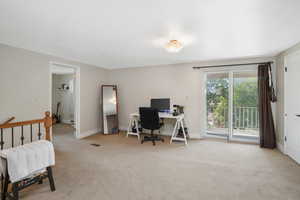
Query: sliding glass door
x=231 y=104
x=245 y=112
x=217 y=93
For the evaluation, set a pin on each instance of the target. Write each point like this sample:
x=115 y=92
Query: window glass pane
x=245 y=111
x=217 y=90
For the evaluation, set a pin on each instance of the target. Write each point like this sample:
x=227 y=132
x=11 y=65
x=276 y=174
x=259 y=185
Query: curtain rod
x=231 y=65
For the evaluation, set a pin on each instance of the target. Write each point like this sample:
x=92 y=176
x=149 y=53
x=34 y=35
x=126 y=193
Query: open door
x=292 y=106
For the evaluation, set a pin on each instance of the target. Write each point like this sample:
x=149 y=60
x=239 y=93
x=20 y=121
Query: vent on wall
x=96 y=145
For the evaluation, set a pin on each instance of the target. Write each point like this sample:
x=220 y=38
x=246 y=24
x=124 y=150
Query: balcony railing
x=243 y=118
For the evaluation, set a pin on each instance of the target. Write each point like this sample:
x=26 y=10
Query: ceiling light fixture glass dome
x=174 y=46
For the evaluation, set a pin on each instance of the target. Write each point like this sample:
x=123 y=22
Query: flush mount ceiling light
x=173 y=46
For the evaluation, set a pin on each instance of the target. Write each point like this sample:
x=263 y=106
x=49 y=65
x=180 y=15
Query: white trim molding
x=77 y=92
x=123 y=128
x=88 y=133
x=195 y=135
x=280 y=147
x=192 y=135
x=66 y=121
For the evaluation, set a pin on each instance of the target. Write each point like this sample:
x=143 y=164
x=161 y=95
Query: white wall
x=65 y=97
x=25 y=87
x=181 y=83
x=280 y=92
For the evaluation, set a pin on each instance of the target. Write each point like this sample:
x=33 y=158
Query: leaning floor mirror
x=110 y=109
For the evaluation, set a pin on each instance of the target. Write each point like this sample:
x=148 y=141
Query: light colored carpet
x=122 y=168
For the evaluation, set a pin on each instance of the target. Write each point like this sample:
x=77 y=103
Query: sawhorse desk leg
x=133 y=122
x=179 y=124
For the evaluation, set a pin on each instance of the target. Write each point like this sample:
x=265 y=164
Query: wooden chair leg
x=50 y=177
x=15 y=191
x=5 y=186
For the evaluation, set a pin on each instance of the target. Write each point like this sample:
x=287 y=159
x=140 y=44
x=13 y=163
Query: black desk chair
x=150 y=120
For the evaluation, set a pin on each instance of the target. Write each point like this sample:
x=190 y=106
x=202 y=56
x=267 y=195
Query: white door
x=292 y=105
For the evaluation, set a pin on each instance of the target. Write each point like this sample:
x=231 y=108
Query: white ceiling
x=116 y=33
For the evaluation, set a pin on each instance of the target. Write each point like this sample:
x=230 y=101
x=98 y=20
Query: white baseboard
x=66 y=121
x=88 y=133
x=123 y=128
x=280 y=147
x=192 y=135
x=195 y=136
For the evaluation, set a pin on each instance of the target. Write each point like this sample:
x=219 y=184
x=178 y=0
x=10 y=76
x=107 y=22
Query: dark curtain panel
x=266 y=123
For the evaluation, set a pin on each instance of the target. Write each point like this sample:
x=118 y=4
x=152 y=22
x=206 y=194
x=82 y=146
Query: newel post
x=48 y=124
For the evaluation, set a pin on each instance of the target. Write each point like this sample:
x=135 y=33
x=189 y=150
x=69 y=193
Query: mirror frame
x=117 y=105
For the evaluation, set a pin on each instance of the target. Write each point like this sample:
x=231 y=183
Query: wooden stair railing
x=47 y=121
x=9 y=120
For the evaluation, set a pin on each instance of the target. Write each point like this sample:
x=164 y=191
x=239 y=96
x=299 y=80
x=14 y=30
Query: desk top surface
x=162 y=115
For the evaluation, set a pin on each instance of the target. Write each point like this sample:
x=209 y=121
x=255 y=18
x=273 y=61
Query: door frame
x=77 y=93
x=229 y=136
x=285 y=151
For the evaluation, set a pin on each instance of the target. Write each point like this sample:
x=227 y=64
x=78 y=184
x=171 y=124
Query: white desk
x=134 y=118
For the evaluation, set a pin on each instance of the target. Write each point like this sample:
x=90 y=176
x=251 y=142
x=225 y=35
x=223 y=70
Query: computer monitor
x=162 y=105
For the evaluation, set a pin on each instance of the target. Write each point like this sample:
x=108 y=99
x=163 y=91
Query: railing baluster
x=22 y=135
x=10 y=127
x=1 y=142
x=235 y=117
x=240 y=115
x=257 y=123
x=247 y=118
x=30 y=132
x=244 y=117
x=252 y=117
x=12 y=137
x=39 y=134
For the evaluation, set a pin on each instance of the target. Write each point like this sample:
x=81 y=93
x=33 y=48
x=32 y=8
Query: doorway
x=64 y=80
x=231 y=98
